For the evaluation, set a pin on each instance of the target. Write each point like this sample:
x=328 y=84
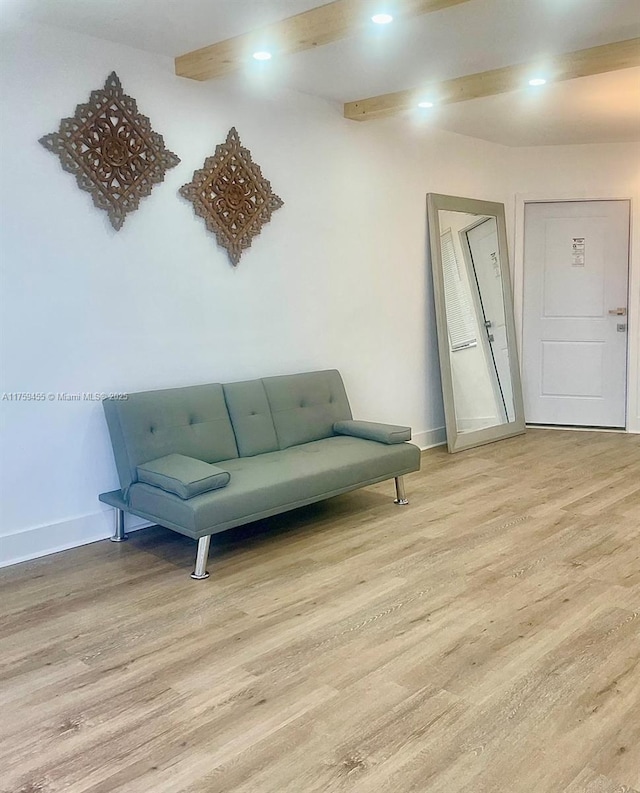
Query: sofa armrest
x=184 y=476
x=372 y=431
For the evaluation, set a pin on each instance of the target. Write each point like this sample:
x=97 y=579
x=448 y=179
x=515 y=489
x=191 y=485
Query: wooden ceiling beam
x=582 y=63
x=313 y=28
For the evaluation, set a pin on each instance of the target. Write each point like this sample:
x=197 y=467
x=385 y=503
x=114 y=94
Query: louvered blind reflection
x=460 y=318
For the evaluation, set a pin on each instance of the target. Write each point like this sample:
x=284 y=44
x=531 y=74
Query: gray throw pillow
x=372 y=431
x=184 y=476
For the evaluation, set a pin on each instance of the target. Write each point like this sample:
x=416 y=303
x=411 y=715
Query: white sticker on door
x=577 y=252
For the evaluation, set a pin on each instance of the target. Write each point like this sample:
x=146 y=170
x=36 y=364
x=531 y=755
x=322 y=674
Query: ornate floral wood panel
x=232 y=196
x=112 y=151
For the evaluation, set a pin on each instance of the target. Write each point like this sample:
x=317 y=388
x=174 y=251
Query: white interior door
x=574 y=352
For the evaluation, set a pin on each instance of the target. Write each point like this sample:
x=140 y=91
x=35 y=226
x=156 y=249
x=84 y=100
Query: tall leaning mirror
x=474 y=317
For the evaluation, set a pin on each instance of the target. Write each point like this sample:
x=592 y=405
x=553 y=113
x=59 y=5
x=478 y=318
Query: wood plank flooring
x=484 y=639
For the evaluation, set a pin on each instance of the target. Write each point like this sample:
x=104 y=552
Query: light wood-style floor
x=484 y=639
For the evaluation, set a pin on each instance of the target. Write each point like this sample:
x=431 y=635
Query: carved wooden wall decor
x=112 y=151
x=232 y=196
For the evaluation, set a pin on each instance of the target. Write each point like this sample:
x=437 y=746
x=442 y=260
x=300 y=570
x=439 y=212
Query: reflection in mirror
x=475 y=321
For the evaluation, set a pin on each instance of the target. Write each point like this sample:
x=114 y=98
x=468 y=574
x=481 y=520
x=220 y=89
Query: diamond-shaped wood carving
x=232 y=196
x=112 y=151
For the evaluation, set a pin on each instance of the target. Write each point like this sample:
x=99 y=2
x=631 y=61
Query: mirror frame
x=458 y=441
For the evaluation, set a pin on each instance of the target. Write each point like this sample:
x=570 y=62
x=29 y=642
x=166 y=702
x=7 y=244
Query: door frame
x=632 y=401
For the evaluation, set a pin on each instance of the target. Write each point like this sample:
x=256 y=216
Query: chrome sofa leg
x=401 y=497
x=118 y=534
x=201 y=558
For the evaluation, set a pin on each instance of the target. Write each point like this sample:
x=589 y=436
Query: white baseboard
x=430 y=438
x=44 y=540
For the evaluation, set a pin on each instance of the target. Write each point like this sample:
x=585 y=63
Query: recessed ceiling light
x=425 y=104
x=262 y=55
x=382 y=19
x=537 y=81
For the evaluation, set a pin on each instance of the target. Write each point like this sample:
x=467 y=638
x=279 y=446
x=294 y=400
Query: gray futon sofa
x=205 y=458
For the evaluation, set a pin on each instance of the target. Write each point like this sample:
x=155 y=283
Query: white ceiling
x=470 y=37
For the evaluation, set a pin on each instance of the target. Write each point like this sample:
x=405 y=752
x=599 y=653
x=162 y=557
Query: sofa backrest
x=192 y=421
x=304 y=407
x=219 y=422
x=278 y=412
x=251 y=417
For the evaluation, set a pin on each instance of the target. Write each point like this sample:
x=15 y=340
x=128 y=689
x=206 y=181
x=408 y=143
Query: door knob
x=618 y=312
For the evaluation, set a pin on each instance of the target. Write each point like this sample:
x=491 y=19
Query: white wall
x=584 y=172
x=338 y=278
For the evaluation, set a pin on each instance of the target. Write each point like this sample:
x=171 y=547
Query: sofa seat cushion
x=184 y=476
x=277 y=481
